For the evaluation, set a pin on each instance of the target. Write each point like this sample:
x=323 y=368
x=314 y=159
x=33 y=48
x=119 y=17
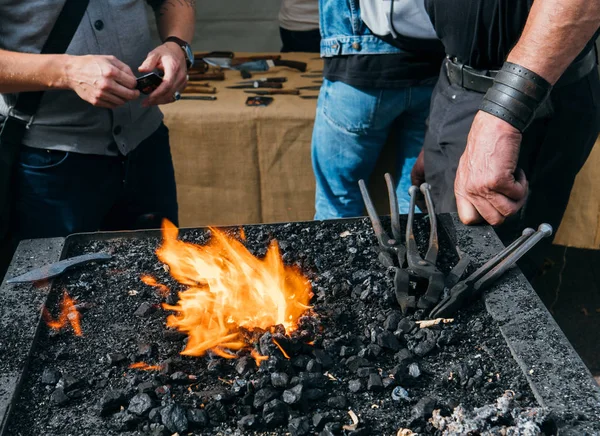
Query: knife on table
x=309 y=88
x=272 y=85
x=275 y=92
x=199 y=97
x=264 y=79
x=57 y=268
x=258 y=65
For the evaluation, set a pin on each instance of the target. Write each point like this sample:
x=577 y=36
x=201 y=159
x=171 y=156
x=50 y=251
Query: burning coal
x=229 y=289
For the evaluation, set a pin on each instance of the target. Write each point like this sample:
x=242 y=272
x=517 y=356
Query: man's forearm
x=31 y=72
x=555 y=33
x=176 y=18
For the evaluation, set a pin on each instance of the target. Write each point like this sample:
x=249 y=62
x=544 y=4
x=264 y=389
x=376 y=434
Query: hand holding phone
x=147 y=83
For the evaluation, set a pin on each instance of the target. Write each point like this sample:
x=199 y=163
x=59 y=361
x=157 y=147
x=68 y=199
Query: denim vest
x=344 y=33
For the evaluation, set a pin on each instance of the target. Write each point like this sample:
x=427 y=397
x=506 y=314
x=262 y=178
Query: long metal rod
x=490 y=264
x=412 y=251
x=394 y=211
x=434 y=245
x=544 y=230
x=382 y=236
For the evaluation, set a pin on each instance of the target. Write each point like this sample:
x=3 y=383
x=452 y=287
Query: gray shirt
x=64 y=121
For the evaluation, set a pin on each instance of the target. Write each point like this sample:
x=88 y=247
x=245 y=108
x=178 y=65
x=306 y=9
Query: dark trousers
x=58 y=193
x=553 y=151
x=295 y=41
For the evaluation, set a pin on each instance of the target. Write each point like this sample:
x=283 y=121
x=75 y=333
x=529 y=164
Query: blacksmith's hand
x=488 y=184
x=103 y=81
x=169 y=58
x=417 y=174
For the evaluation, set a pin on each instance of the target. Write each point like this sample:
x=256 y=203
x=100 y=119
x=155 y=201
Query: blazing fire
x=151 y=281
x=68 y=315
x=229 y=289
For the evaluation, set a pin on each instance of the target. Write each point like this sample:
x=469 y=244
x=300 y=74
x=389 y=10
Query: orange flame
x=258 y=358
x=145 y=367
x=229 y=289
x=151 y=281
x=242 y=234
x=68 y=314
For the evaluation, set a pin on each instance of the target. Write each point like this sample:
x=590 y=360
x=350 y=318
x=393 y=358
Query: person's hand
x=488 y=184
x=169 y=58
x=103 y=81
x=417 y=174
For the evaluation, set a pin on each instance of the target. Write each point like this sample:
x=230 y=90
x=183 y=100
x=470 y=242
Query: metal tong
x=418 y=269
x=470 y=288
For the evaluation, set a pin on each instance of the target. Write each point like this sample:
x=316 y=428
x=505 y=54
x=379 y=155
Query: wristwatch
x=187 y=50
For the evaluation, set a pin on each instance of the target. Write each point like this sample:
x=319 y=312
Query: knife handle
x=300 y=66
x=284 y=92
x=271 y=85
x=199 y=90
x=208 y=76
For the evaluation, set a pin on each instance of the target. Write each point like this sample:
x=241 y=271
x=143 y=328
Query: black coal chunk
x=366 y=371
x=323 y=358
x=280 y=379
x=146 y=350
x=293 y=395
x=245 y=364
x=331 y=429
x=248 y=422
x=320 y=419
x=144 y=310
x=392 y=321
x=124 y=421
x=181 y=378
x=355 y=362
x=115 y=358
x=300 y=361
x=375 y=384
x=299 y=426
x=140 y=404
x=50 y=376
x=59 y=397
x=112 y=401
x=337 y=402
x=314 y=394
x=355 y=386
x=216 y=411
x=386 y=339
x=406 y=325
x=447 y=337
x=312 y=379
x=154 y=415
x=68 y=382
x=264 y=395
x=275 y=413
x=174 y=417
x=424 y=408
x=347 y=351
x=404 y=356
x=314 y=366
x=197 y=418
x=145 y=387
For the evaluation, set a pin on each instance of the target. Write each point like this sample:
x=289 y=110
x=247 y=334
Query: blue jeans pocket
x=350 y=109
x=40 y=159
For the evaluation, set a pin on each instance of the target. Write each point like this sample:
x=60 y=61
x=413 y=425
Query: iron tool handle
x=300 y=66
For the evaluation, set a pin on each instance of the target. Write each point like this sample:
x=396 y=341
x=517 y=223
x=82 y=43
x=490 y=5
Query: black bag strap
x=21 y=114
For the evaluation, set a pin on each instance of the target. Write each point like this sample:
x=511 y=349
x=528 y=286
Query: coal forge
x=351 y=364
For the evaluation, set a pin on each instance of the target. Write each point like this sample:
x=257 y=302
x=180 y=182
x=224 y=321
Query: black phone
x=148 y=83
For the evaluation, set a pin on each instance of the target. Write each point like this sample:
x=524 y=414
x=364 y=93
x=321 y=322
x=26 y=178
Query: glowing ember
x=151 y=281
x=258 y=358
x=281 y=349
x=229 y=289
x=68 y=315
x=145 y=367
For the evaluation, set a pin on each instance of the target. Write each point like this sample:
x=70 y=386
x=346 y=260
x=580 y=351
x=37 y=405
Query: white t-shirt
x=410 y=18
x=299 y=15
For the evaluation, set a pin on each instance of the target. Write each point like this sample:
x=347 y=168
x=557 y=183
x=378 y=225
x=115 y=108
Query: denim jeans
x=351 y=128
x=58 y=193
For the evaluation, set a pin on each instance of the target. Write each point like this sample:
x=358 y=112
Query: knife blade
x=198 y=97
x=275 y=92
x=257 y=85
x=310 y=88
x=264 y=79
x=58 y=268
x=259 y=65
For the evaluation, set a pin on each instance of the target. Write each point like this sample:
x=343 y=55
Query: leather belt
x=481 y=80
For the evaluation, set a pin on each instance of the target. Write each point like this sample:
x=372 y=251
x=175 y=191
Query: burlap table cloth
x=241 y=165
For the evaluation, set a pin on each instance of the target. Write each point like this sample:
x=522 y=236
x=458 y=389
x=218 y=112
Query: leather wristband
x=516 y=95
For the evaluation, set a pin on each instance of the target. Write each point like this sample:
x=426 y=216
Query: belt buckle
x=19 y=116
